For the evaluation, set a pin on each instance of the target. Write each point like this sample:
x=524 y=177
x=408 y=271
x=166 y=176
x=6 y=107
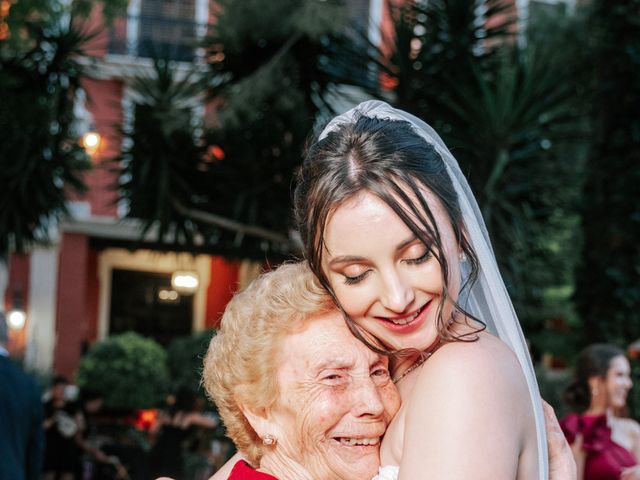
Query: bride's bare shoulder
x=465 y=394
x=486 y=362
x=484 y=350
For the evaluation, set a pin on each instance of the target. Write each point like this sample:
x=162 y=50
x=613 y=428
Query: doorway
x=145 y=303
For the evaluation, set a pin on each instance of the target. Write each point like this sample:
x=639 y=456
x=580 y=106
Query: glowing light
x=168 y=295
x=91 y=142
x=146 y=419
x=16 y=319
x=186 y=282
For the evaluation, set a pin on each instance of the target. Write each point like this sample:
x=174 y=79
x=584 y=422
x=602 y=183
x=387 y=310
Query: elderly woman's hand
x=631 y=473
x=561 y=461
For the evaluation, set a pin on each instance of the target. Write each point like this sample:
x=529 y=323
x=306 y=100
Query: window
x=167 y=29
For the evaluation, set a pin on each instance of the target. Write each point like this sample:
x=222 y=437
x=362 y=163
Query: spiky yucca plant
x=40 y=156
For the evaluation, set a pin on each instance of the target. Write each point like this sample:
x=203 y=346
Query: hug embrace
x=393 y=350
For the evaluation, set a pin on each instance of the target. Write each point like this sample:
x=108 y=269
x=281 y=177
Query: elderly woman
x=300 y=396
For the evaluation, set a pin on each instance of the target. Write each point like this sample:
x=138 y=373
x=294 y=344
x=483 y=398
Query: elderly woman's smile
x=336 y=399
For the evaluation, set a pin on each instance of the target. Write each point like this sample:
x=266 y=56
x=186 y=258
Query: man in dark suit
x=21 y=434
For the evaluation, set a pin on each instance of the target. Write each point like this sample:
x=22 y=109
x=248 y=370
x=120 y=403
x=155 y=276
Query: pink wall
x=99 y=44
x=104 y=99
x=72 y=311
x=93 y=295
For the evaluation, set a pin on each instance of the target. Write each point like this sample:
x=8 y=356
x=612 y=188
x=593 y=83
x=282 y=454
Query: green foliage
x=511 y=115
x=552 y=384
x=267 y=83
x=128 y=370
x=608 y=277
x=633 y=401
x=160 y=158
x=41 y=160
x=266 y=61
x=184 y=358
x=26 y=16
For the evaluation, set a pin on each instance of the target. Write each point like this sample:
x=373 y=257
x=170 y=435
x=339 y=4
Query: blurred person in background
x=96 y=464
x=62 y=426
x=21 y=434
x=606 y=445
x=173 y=431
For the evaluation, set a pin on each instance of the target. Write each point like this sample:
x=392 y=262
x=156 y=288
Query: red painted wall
x=99 y=44
x=223 y=282
x=72 y=312
x=104 y=99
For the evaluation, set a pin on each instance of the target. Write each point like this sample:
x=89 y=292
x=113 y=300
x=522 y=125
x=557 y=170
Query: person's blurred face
x=618 y=381
x=384 y=277
x=57 y=392
x=335 y=401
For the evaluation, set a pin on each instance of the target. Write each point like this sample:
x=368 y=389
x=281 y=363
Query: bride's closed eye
x=415 y=253
x=354 y=273
x=419 y=260
x=356 y=279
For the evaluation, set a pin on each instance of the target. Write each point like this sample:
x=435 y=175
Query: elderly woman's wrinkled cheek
x=323 y=419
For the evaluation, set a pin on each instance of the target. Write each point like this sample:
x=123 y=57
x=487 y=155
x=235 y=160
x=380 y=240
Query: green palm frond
x=42 y=161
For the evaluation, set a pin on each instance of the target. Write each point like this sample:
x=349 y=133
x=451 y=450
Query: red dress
x=605 y=459
x=242 y=471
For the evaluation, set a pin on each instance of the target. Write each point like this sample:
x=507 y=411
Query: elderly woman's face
x=335 y=401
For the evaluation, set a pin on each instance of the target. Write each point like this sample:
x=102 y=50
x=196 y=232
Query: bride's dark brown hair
x=390 y=160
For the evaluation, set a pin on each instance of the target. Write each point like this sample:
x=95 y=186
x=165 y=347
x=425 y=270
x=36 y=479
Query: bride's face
x=384 y=277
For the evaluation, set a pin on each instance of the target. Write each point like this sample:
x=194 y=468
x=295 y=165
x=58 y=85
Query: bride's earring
x=463 y=257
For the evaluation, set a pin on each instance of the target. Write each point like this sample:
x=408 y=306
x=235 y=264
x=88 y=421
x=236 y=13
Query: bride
x=393 y=232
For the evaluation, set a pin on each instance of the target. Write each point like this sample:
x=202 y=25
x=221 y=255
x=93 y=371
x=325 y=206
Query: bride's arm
x=466 y=415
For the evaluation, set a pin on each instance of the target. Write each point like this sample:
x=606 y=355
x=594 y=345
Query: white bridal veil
x=488 y=299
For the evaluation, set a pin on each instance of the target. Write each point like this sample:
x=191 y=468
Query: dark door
x=144 y=302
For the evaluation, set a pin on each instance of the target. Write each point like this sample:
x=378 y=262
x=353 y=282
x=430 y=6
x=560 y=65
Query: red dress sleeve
x=605 y=459
x=596 y=433
x=243 y=471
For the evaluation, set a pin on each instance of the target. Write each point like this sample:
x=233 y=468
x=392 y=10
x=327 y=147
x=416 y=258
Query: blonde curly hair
x=240 y=365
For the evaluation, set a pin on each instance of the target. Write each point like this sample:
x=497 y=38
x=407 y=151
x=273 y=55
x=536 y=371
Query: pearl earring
x=463 y=257
x=269 y=439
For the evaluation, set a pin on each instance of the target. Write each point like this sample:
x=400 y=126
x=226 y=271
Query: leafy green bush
x=184 y=358
x=552 y=384
x=130 y=371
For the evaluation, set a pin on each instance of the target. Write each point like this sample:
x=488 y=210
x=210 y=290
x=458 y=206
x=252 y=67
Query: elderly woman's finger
x=561 y=462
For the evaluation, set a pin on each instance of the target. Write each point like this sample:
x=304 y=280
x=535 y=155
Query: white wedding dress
x=389 y=472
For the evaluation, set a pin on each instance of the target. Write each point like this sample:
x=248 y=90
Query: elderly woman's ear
x=260 y=421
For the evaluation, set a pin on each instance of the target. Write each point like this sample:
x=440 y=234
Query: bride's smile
x=386 y=279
